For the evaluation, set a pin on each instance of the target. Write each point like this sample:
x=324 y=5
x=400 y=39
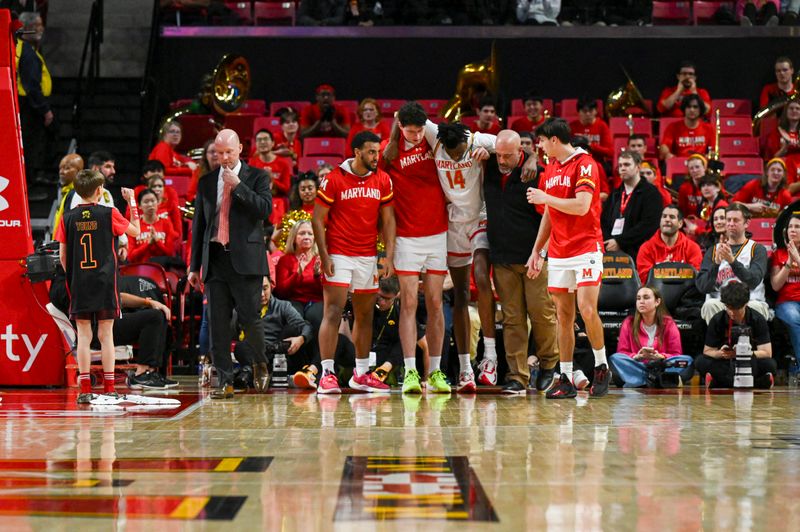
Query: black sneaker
x=513 y=387
x=563 y=389
x=168 y=383
x=602 y=378
x=146 y=381
x=85 y=398
x=546 y=380
x=764 y=382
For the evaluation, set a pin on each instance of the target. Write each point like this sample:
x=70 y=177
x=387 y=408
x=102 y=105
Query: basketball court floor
x=678 y=460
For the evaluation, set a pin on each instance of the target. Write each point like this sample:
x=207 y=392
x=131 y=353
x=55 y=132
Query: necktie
x=223 y=231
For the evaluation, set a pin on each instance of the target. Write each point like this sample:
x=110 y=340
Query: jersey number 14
x=455 y=179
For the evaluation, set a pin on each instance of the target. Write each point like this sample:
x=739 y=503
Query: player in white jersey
x=459 y=156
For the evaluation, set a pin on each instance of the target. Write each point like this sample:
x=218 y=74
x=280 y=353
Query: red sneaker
x=367 y=383
x=329 y=384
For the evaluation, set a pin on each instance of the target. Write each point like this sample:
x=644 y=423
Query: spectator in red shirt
x=167 y=202
x=689 y=196
x=595 y=129
x=669 y=103
x=690 y=135
x=789 y=142
x=164 y=151
x=304 y=193
x=279 y=169
x=208 y=162
x=713 y=198
x=783 y=87
x=785 y=280
x=287 y=140
x=767 y=196
x=324 y=118
x=534 y=115
x=669 y=244
x=487 y=118
x=157 y=237
x=369 y=119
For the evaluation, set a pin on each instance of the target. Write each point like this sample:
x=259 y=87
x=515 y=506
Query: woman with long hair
x=157 y=237
x=208 y=162
x=767 y=196
x=164 y=151
x=711 y=198
x=785 y=143
x=369 y=119
x=715 y=230
x=785 y=279
x=167 y=204
x=304 y=193
x=647 y=340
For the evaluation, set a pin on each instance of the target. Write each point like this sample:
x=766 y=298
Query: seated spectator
x=323 y=170
x=713 y=197
x=785 y=280
x=279 y=169
x=628 y=218
x=718 y=359
x=208 y=162
x=638 y=143
x=538 y=12
x=526 y=142
x=670 y=103
x=534 y=114
x=767 y=196
x=783 y=87
x=157 y=237
x=760 y=12
x=487 y=117
x=734 y=258
x=650 y=345
x=786 y=143
x=595 y=129
x=324 y=118
x=689 y=195
x=321 y=13
x=649 y=171
x=690 y=135
x=164 y=151
x=68 y=168
x=304 y=193
x=716 y=230
x=167 y=203
x=287 y=140
x=669 y=244
x=369 y=119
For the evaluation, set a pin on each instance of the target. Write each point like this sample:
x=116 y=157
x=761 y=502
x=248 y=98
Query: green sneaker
x=411 y=382
x=437 y=382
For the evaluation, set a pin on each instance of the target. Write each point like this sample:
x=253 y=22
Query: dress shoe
x=225 y=391
x=261 y=377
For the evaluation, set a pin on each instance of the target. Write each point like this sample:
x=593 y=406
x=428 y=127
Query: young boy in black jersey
x=88 y=236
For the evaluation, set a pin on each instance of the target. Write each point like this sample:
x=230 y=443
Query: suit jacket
x=251 y=205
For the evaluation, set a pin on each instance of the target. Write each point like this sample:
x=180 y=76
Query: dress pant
x=523 y=298
x=312 y=313
x=146 y=327
x=227 y=290
x=34 y=138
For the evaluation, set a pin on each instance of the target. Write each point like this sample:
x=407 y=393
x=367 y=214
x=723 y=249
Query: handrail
x=91 y=48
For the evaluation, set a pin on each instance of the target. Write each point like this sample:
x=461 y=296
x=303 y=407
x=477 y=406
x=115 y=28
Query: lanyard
x=623 y=204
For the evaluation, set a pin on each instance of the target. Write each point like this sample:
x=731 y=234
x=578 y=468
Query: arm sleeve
x=668 y=138
x=431 y=130
x=30 y=76
x=257 y=200
x=283 y=182
x=760 y=329
x=605 y=147
x=707 y=276
x=695 y=255
x=587 y=181
x=118 y=223
x=644 y=262
x=753 y=275
x=665 y=93
x=625 y=343
x=485 y=140
x=295 y=324
x=136 y=250
x=286 y=277
x=744 y=194
x=715 y=336
x=161 y=153
x=672 y=340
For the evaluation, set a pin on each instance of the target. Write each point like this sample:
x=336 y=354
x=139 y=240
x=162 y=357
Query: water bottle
x=743 y=366
x=280 y=371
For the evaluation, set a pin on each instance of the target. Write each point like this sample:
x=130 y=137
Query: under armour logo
x=3 y=185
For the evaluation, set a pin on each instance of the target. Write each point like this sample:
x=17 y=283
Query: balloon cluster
x=287 y=222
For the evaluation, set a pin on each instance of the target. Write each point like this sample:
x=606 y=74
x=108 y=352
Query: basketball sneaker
x=709 y=382
x=579 y=380
x=487 y=372
x=306 y=378
x=563 y=389
x=466 y=382
x=602 y=378
x=329 y=384
x=367 y=383
x=437 y=382
x=411 y=382
x=85 y=398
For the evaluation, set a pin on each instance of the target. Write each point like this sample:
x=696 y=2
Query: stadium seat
x=350 y=105
x=664 y=122
x=761 y=230
x=518 y=106
x=197 y=129
x=258 y=107
x=324 y=146
x=179 y=182
x=703 y=11
x=671 y=13
x=388 y=106
x=310 y=164
x=676 y=166
x=568 y=107
x=617 y=293
x=241 y=123
x=735 y=126
x=621 y=128
x=675 y=282
x=433 y=107
x=389 y=121
x=273 y=13
x=620 y=143
x=738 y=146
x=272 y=123
x=743 y=165
x=297 y=105
x=154 y=272
x=731 y=107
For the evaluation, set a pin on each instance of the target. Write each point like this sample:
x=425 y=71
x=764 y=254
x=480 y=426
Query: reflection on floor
x=679 y=460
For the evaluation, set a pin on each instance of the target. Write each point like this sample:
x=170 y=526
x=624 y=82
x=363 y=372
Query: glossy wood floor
x=683 y=460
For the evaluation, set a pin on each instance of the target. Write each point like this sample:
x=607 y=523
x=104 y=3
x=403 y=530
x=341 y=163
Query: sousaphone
x=474 y=81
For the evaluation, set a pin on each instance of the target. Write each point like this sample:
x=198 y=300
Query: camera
x=276 y=348
x=43 y=263
x=739 y=330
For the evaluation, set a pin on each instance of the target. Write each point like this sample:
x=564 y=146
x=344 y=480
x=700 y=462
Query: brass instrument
x=474 y=81
x=715 y=166
x=626 y=97
x=774 y=107
x=629 y=122
x=223 y=91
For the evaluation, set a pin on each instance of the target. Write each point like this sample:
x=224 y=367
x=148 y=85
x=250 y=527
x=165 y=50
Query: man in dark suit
x=228 y=249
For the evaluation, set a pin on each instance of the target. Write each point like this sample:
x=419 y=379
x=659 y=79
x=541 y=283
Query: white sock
x=489 y=352
x=410 y=363
x=435 y=362
x=327 y=366
x=600 y=357
x=566 y=369
x=463 y=360
x=362 y=366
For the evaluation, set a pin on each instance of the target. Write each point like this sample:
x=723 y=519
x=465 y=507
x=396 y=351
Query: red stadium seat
x=324 y=146
x=671 y=13
x=154 y=272
x=241 y=123
x=310 y=164
x=258 y=107
x=180 y=103
x=731 y=107
x=738 y=146
x=743 y=165
x=518 y=106
x=664 y=122
x=703 y=12
x=297 y=105
x=620 y=143
x=388 y=106
x=389 y=121
x=179 y=182
x=197 y=129
x=620 y=128
x=735 y=126
x=568 y=107
x=272 y=123
x=761 y=230
x=433 y=107
x=271 y=13
x=676 y=166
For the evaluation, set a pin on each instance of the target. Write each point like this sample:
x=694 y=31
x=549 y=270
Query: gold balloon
x=287 y=222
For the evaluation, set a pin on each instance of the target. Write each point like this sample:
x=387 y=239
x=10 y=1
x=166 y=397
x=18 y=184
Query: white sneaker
x=487 y=372
x=466 y=382
x=579 y=380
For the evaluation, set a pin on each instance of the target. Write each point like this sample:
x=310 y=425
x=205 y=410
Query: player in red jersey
x=350 y=200
x=421 y=245
x=571 y=223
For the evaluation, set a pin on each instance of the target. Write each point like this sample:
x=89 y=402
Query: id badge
x=619 y=224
